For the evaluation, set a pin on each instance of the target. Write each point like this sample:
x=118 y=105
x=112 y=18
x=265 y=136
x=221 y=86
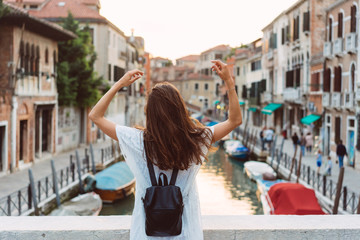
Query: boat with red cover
x=291 y=199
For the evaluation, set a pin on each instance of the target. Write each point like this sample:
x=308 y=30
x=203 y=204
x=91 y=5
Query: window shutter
x=244 y=92
x=306 y=21
x=289 y=79
x=282 y=36
x=297 y=77
x=330 y=29
x=353 y=19
x=337 y=129
x=340 y=25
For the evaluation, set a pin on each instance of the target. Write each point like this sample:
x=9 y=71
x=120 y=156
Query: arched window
x=338 y=79
x=46 y=56
x=22 y=55
x=32 y=60
x=352 y=79
x=330 y=29
x=27 y=59
x=353 y=19
x=327 y=80
x=340 y=24
x=37 y=61
x=54 y=60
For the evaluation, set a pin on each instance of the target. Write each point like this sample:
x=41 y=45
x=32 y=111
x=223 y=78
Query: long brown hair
x=171 y=138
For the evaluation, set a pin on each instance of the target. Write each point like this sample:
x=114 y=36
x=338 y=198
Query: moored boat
x=235 y=149
x=88 y=204
x=115 y=183
x=255 y=170
x=290 y=199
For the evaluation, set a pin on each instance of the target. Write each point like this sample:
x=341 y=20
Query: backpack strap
x=152 y=173
x=164 y=178
x=174 y=176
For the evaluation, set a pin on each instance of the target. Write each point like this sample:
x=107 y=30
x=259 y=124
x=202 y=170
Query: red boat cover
x=294 y=199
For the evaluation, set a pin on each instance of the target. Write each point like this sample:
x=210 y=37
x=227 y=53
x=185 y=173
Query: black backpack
x=163 y=205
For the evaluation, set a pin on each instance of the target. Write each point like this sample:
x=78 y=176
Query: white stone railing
x=215 y=227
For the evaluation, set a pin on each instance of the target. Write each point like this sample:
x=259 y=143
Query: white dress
x=132 y=147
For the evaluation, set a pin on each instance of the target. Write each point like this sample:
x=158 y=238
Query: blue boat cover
x=209 y=124
x=114 y=177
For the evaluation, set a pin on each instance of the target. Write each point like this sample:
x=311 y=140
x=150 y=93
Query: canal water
x=223 y=189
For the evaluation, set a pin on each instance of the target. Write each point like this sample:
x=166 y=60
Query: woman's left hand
x=130 y=77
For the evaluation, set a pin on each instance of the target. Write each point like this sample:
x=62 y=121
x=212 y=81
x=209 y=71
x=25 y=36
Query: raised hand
x=224 y=72
x=130 y=77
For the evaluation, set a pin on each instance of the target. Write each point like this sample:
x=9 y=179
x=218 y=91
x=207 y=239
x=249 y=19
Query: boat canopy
x=252 y=109
x=294 y=199
x=309 y=119
x=241 y=103
x=270 y=108
x=114 y=177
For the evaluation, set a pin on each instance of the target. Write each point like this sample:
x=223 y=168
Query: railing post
x=55 y=183
x=87 y=160
x=344 y=198
x=46 y=186
x=358 y=207
x=33 y=192
x=331 y=186
x=292 y=163
x=273 y=148
x=29 y=197
x=19 y=201
x=81 y=189
x=93 y=167
x=72 y=168
x=299 y=168
x=102 y=156
x=308 y=175
x=338 y=190
x=9 y=205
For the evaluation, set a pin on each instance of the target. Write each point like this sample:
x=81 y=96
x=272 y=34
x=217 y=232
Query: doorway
x=3 y=149
x=23 y=140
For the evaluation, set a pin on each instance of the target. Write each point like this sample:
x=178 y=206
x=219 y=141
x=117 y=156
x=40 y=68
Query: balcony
x=349 y=100
x=350 y=43
x=279 y=227
x=338 y=47
x=328 y=49
x=336 y=100
x=291 y=94
x=326 y=99
x=266 y=97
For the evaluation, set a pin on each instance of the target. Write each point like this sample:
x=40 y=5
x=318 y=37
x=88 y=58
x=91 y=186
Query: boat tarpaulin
x=114 y=177
x=294 y=199
x=252 y=109
x=309 y=119
x=241 y=103
x=270 y=108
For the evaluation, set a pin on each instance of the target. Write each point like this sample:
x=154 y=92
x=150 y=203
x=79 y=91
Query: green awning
x=216 y=102
x=270 y=108
x=241 y=103
x=252 y=109
x=310 y=119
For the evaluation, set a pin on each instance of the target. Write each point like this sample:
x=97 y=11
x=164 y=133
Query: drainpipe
x=14 y=106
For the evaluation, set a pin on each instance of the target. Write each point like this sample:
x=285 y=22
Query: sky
x=174 y=28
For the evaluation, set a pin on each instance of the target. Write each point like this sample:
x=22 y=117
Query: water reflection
x=223 y=190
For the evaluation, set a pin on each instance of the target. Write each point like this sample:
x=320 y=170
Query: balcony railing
x=291 y=94
x=336 y=100
x=326 y=99
x=350 y=43
x=338 y=47
x=349 y=100
x=266 y=97
x=327 y=49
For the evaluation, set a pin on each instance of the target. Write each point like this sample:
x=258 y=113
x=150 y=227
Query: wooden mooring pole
x=92 y=159
x=338 y=190
x=55 y=183
x=33 y=193
x=292 y=163
x=81 y=189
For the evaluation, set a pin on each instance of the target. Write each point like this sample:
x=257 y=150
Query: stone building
x=28 y=105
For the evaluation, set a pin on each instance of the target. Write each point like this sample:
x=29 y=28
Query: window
x=109 y=72
x=289 y=79
x=353 y=19
x=352 y=83
x=196 y=86
x=37 y=61
x=91 y=32
x=296 y=21
x=206 y=86
x=218 y=56
x=256 y=65
x=273 y=41
x=27 y=58
x=55 y=61
x=340 y=25
x=306 y=22
x=206 y=71
x=109 y=37
x=327 y=80
x=32 y=60
x=315 y=82
x=337 y=79
x=330 y=30
x=282 y=36
x=238 y=71
x=46 y=56
x=287 y=34
x=337 y=129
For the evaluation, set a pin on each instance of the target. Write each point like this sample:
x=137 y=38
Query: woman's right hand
x=130 y=77
x=224 y=73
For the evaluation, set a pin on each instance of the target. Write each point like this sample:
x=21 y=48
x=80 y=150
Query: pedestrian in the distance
x=262 y=139
x=309 y=142
x=318 y=161
x=341 y=152
x=328 y=166
x=295 y=140
x=269 y=133
x=284 y=130
x=302 y=144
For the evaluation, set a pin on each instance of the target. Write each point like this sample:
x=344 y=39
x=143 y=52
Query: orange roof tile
x=218 y=48
x=59 y=9
x=190 y=58
x=25 y=1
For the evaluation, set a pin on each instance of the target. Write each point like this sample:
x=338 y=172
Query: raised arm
x=97 y=113
x=235 y=117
